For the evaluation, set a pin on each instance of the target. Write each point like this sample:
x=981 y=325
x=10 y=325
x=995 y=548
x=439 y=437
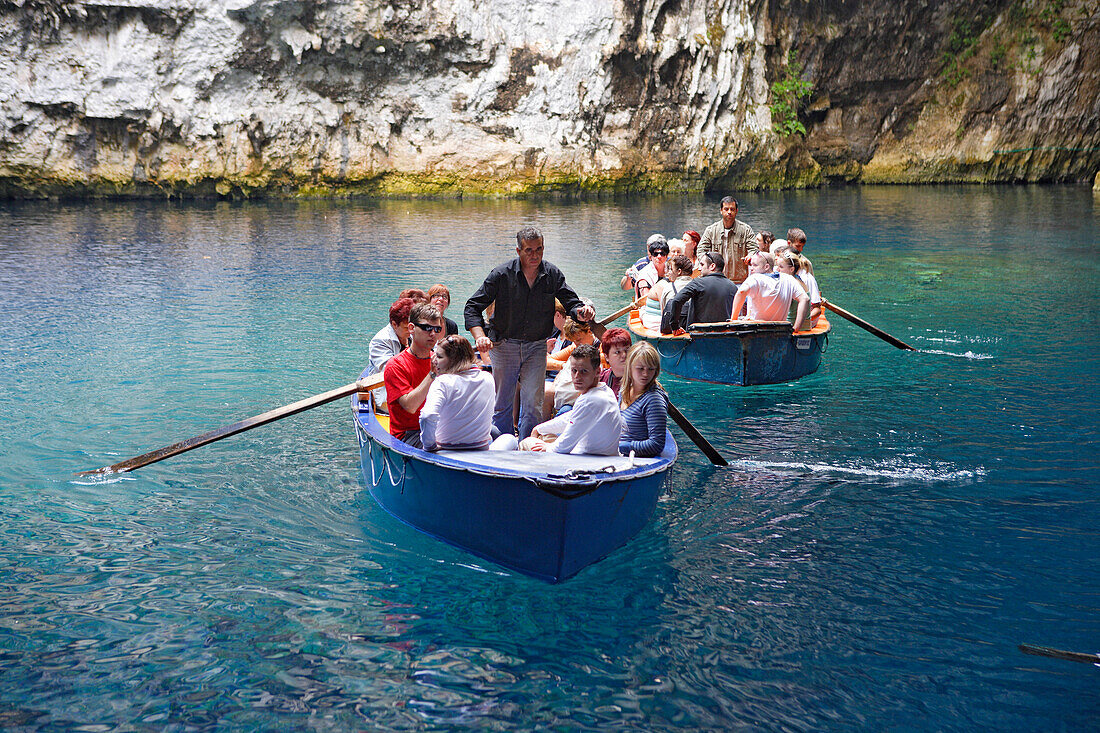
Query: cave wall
x=503 y=97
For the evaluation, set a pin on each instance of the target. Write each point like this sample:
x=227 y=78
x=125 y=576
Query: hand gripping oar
x=130 y=464
x=696 y=437
x=867 y=326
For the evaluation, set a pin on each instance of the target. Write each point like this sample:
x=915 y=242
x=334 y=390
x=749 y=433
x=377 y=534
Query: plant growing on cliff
x=787 y=95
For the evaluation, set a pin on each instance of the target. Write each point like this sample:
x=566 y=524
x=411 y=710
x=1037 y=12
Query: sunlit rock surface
x=200 y=97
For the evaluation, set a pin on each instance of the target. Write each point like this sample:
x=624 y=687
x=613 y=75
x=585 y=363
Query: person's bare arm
x=738 y=304
x=803 y=309
x=414 y=398
x=481 y=341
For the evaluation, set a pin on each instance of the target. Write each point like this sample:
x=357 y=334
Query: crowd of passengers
x=550 y=358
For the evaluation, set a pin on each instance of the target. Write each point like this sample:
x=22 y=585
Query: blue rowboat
x=741 y=352
x=546 y=515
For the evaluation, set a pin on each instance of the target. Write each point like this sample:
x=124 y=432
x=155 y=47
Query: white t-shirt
x=458 y=411
x=592 y=427
x=649 y=275
x=810 y=282
x=769 y=297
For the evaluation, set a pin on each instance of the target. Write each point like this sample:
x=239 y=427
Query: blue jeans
x=523 y=362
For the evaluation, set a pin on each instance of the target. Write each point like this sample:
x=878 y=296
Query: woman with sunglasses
x=458 y=411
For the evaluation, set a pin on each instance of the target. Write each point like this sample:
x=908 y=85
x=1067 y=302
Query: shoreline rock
x=242 y=98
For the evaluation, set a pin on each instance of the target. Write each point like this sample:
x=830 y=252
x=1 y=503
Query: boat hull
x=744 y=355
x=538 y=523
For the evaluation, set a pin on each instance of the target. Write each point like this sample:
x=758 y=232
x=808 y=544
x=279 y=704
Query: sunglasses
x=429 y=328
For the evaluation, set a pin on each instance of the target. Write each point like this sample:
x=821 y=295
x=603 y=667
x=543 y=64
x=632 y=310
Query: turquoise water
x=891 y=528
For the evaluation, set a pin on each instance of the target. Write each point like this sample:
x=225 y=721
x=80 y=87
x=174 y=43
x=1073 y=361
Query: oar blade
x=892 y=340
x=696 y=437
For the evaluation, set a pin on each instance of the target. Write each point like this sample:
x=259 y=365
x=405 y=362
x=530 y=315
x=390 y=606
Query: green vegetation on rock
x=787 y=95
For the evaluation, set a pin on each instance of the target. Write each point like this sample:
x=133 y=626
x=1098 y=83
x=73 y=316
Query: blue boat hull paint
x=543 y=527
x=743 y=359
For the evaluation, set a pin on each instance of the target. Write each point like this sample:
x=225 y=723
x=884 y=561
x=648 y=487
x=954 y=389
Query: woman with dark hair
x=458 y=411
x=764 y=240
x=644 y=404
x=679 y=274
x=615 y=345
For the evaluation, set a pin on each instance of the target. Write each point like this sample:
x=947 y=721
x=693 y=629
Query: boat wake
x=966 y=355
x=101 y=479
x=928 y=474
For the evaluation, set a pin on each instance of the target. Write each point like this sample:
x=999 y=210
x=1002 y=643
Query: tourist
x=458 y=411
x=731 y=238
x=790 y=263
x=711 y=296
x=644 y=404
x=416 y=294
x=614 y=346
x=515 y=337
x=440 y=297
x=769 y=294
x=388 y=343
x=691 y=249
x=652 y=273
x=764 y=240
x=560 y=392
x=679 y=275
x=594 y=424
x=408 y=375
x=796 y=238
x=629 y=280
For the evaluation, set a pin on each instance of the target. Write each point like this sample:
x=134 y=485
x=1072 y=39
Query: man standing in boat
x=515 y=337
x=732 y=239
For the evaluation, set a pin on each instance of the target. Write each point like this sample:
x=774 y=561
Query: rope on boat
x=679 y=356
x=387 y=470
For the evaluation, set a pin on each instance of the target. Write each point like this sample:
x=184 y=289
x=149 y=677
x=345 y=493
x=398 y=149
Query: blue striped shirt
x=644 y=425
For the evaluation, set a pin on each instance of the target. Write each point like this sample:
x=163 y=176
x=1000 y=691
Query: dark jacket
x=711 y=297
x=522 y=312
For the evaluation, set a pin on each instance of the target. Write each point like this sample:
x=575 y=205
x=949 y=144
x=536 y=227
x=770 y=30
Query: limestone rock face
x=240 y=97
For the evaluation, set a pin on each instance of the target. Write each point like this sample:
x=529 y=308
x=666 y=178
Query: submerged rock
x=501 y=97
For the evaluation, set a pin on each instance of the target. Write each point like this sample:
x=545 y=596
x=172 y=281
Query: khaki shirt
x=733 y=244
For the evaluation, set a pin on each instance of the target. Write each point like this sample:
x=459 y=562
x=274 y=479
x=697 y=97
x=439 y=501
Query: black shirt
x=522 y=312
x=710 y=295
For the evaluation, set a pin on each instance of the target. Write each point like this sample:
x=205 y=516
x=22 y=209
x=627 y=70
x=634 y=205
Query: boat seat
x=549 y=463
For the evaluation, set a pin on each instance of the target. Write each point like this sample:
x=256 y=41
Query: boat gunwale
x=736 y=328
x=366 y=422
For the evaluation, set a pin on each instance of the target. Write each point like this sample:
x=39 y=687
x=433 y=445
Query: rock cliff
x=455 y=97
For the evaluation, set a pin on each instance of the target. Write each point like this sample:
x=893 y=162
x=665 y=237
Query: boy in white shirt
x=593 y=425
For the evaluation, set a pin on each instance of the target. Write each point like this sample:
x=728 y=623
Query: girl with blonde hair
x=644 y=404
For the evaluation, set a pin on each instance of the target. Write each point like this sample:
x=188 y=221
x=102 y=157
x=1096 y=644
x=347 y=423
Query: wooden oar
x=256 y=421
x=598 y=328
x=1046 y=651
x=622 y=312
x=696 y=437
x=867 y=326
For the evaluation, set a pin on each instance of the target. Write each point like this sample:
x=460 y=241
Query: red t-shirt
x=403 y=374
